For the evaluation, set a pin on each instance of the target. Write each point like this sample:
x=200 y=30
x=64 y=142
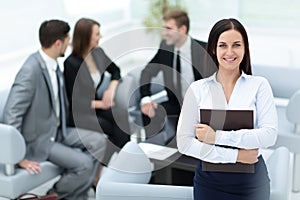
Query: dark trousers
x=116 y=126
x=165 y=110
x=116 y=129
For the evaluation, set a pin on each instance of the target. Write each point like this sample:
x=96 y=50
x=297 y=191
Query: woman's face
x=95 y=37
x=230 y=50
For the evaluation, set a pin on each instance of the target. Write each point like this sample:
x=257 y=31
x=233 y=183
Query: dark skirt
x=232 y=186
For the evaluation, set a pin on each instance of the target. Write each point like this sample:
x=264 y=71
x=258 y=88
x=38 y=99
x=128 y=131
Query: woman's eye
x=222 y=45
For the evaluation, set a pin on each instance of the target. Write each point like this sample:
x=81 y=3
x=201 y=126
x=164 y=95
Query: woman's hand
x=109 y=94
x=99 y=104
x=31 y=167
x=108 y=98
x=205 y=134
x=248 y=156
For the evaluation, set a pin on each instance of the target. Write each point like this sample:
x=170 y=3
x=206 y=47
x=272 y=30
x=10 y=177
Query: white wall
x=20 y=20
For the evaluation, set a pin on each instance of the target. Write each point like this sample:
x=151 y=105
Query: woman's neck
x=227 y=77
x=227 y=81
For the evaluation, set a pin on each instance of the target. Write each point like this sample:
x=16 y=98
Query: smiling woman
x=232 y=87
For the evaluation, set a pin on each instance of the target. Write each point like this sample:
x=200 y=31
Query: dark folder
x=227 y=120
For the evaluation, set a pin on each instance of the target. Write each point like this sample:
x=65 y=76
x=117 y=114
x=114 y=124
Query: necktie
x=60 y=82
x=178 y=78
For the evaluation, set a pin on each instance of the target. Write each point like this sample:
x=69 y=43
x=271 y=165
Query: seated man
x=36 y=107
x=180 y=59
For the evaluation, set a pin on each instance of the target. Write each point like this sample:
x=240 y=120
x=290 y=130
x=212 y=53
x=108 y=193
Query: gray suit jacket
x=30 y=108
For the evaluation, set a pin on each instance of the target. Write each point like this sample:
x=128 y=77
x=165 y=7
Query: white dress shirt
x=186 y=68
x=249 y=93
x=186 y=65
x=51 y=65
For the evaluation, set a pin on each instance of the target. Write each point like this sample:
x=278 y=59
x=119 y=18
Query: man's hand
x=205 y=134
x=30 y=166
x=248 y=156
x=149 y=109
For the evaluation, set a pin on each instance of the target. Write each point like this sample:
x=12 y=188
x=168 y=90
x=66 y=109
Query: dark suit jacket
x=163 y=61
x=80 y=88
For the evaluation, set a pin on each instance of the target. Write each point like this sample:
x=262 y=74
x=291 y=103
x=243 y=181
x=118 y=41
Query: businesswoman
x=232 y=87
x=84 y=73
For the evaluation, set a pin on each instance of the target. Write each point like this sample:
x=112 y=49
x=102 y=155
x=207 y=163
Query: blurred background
x=273 y=27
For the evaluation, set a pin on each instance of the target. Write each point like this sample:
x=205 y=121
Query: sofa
x=15 y=181
x=127 y=175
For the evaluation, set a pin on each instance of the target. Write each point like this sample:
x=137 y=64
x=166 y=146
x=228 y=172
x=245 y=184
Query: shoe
x=51 y=191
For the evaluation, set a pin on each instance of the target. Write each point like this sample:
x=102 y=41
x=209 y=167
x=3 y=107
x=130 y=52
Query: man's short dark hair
x=180 y=16
x=53 y=30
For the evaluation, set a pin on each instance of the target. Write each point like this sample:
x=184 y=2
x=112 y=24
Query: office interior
x=272 y=26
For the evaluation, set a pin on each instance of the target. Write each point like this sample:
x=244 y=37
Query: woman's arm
x=266 y=132
x=108 y=97
x=109 y=94
x=187 y=142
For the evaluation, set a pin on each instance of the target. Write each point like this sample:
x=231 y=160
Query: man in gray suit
x=36 y=105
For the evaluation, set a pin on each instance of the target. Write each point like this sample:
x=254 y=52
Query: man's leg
x=95 y=143
x=92 y=143
x=78 y=169
x=170 y=130
x=155 y=125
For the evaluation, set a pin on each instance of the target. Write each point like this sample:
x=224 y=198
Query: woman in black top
x=84 y=73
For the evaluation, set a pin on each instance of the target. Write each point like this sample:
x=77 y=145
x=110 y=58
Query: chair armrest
x=278 y=169
x=293 y=109
x=12 y=146
x=133 y=191
x=124 y=92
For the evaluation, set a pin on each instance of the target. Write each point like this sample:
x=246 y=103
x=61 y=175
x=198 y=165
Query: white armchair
x=16 y=181
x=286 y=86
x=293 y=115
x=127 y=178
x=278 y=169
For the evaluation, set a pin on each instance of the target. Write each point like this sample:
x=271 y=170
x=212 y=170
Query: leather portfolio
x=227 y=120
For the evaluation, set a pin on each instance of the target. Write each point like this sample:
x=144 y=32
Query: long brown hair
x=82 y=36
x=220 y=27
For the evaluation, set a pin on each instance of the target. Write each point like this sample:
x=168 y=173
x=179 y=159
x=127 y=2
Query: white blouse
x=249 y=93
x=96 y=78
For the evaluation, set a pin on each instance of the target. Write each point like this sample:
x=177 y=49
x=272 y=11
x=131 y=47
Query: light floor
x=43 y=188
